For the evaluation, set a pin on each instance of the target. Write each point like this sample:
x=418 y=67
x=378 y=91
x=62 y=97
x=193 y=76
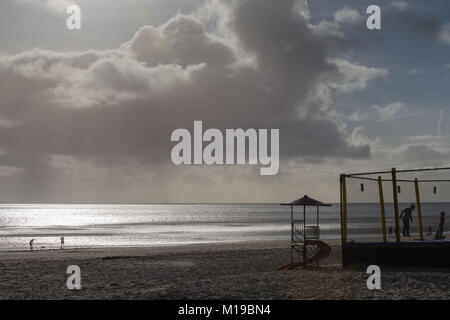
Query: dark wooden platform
x=403 y=254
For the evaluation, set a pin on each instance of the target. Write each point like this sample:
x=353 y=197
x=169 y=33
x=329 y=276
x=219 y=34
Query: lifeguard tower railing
x=304 y=228
x=300 y=233
x=371 y=206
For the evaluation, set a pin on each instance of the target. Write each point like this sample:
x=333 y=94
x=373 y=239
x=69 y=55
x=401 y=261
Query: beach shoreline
x=177 y=246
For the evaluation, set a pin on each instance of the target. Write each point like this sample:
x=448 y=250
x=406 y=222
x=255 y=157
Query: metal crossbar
x=398 y=171
x=398 y=180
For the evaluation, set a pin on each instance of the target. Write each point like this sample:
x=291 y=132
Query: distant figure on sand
x=62 y=242
x=440 y=232
x=390 y=232
x=31 y=244
x=407 y=216
x=429 y=231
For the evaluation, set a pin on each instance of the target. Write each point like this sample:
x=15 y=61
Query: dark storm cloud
x=113 y=106
x=405 y=18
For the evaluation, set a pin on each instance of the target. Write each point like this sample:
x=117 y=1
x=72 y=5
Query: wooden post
x=383 y=218
x=394 y=187
x=419 y=209
x=344 y=210
x=317 y=217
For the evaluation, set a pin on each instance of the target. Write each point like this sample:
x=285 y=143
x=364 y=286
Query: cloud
x=358 y=137
x=399 y=5
x=444 y=33
x=415 y=72
x=354 y=76
x=403 y=17
x=347 y=15
x=6 y=171
x=115 y=109
x=391 y=111
x=359 y=116
x=387 y=112
x=413 y=152
x=439 y=124
x=5 y=123
x=57 y=7
x=423 y=154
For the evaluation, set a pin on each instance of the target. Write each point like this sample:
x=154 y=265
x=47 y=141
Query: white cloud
x=391 y=111
x=400 y=5
x=347 y=15
x=353 y=76
x=444 y=33
x=360 y=116
x=423 y=138
x=387 y=112
x=358 y=137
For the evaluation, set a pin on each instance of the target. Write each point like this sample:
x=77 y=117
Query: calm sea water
x=154 y=225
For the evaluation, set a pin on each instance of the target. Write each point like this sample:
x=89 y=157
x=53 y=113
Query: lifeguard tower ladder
x=305 y=235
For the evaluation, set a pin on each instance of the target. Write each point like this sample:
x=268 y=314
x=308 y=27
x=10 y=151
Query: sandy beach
x=213 y=271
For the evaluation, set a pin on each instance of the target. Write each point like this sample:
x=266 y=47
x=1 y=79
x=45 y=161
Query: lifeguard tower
x=306 y=247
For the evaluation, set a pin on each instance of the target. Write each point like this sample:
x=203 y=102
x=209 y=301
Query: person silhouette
x=31 y=244
x=406 y=215
x=62 y=242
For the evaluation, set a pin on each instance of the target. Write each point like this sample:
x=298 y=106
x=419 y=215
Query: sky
x=86 y=115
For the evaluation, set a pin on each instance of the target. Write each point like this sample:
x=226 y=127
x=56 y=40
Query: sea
x=98 y=226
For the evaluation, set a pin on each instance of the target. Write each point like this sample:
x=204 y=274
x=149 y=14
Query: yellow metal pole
x=419 y=209
x=394 y=187
x=344 y=210
x=383 y=218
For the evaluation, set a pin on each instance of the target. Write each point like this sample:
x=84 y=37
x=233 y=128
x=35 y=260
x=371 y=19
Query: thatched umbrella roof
x=306 y=201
